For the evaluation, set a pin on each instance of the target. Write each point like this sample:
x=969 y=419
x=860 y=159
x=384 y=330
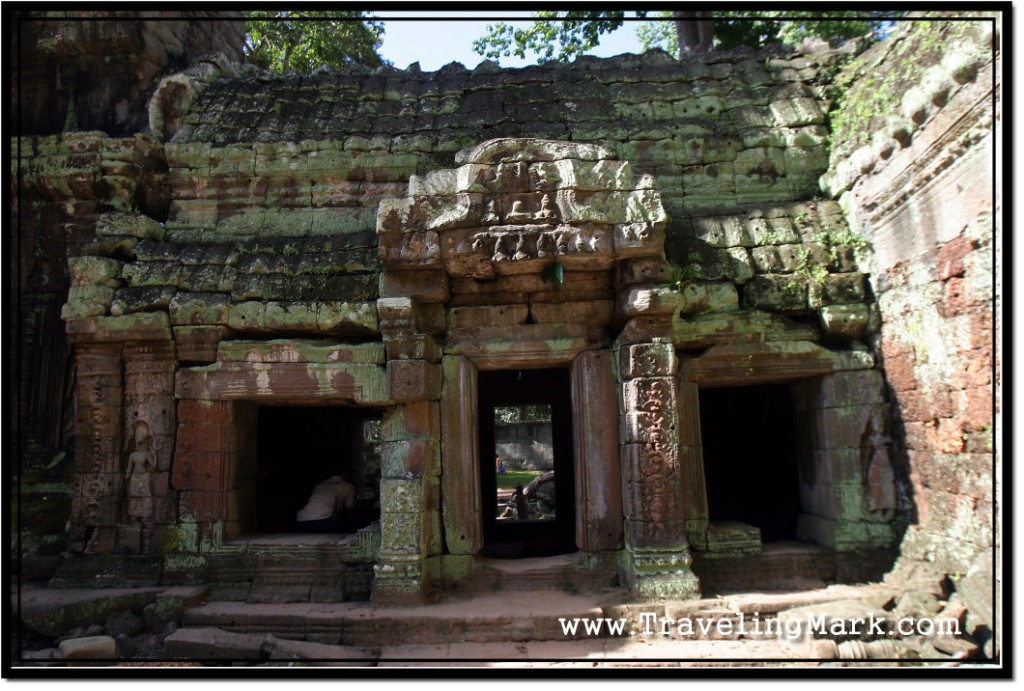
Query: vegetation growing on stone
x=877 y=90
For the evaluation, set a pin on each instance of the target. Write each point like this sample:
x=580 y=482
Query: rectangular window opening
x=317 y=469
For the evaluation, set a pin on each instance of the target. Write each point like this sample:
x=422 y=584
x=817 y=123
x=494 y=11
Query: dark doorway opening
x=750 y=458
x=527 y=416
x=298 y=447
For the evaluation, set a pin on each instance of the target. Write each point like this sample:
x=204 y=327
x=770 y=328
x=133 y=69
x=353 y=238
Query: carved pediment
x=519 y=205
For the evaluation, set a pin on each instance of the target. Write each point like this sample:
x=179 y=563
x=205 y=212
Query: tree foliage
x=768 y=26
x=569 y=33
x=522 y=413
x=302 y=41
x=564 y=35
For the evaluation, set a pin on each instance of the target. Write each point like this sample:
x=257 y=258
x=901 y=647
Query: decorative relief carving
x=422 y=250
x=490 y=217
x=652 y=446
x=138 y=475
x=477 y=252
x=881 y=478
x=518 y=212
x=400 y=532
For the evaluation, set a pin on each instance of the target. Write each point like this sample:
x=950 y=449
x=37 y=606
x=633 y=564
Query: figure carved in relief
x=582 y=241
x=499 y=250
x=880 y=475
x=518 y=212
x=545 y=207
x=543 y=242
x=491 y=212
x=138 y=475
x=521 y=253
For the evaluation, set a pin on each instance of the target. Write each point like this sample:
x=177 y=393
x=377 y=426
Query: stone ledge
x=151 y=326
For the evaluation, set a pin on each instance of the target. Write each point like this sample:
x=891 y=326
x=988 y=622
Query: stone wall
x=96 y=70
x=735 y=129
x=82 y=84
x=247 y=209
x=922 y=191
x=524 y=445
x=734 y=144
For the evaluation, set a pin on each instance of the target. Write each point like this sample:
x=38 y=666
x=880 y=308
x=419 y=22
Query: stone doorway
x=547 y=524
x=751 y=461
x=299 y=446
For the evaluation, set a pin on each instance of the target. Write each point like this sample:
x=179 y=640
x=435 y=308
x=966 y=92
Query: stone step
x=791 y=566
x=489 y=617
x=217 y=644
x=209 y=644
x=568 y=572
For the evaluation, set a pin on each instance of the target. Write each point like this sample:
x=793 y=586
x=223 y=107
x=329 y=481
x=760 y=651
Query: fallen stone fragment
x=89 y=648
x=335 y=655
x=213 y=644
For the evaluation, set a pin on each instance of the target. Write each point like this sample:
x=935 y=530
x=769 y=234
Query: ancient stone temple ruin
x=272 y=278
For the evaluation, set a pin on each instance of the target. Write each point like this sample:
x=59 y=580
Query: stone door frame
x=840 y=403
x=598 y=484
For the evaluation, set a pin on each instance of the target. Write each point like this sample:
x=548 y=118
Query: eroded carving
x=881 y=478
x=138 y=475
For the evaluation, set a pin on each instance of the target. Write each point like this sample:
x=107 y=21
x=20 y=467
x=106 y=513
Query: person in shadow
x=331 y=507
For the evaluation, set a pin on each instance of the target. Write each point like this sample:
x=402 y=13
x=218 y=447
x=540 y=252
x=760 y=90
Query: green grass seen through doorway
x=512 y=478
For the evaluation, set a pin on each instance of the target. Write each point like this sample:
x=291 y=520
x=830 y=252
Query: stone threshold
x=291 y=540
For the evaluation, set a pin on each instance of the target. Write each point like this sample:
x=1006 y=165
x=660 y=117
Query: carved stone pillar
x=202 y=473
x=149 y=434
x=656 y=560
x=95 y=509
x=410 y=468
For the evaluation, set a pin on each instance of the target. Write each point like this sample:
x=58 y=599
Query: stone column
x=596 y=443
x=95 y=509
x=149 y=435
x=461 y=511
x=199 y=474
x=691 y=463
x=656 y=560
x=410 y=467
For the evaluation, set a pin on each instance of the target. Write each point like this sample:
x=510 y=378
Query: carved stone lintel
x=226 y=381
